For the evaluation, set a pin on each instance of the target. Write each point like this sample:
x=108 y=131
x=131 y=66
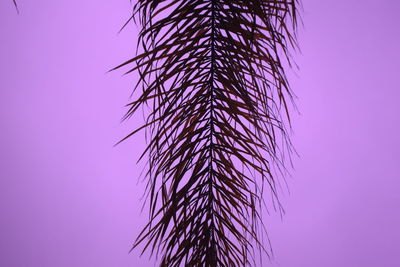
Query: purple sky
x=69 y=198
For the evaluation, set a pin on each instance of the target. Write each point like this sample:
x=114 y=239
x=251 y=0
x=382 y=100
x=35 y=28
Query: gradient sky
x=69 y=198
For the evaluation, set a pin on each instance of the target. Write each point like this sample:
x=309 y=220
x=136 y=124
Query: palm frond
x=212 y=73
x=16 y=5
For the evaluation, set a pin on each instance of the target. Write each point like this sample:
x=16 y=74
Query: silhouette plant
x=16 y=5
x=212 y=73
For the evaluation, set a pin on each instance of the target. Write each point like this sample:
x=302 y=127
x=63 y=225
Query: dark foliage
x=212 y=75
x=16 y=5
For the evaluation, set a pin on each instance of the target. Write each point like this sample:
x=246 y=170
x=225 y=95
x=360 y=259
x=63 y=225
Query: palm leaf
x=16 y=5
x=212 y=74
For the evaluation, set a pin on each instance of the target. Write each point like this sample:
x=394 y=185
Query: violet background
x=69 y=198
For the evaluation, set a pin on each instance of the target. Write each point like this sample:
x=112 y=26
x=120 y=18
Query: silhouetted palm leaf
x=16 y=5
x=211 y=72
